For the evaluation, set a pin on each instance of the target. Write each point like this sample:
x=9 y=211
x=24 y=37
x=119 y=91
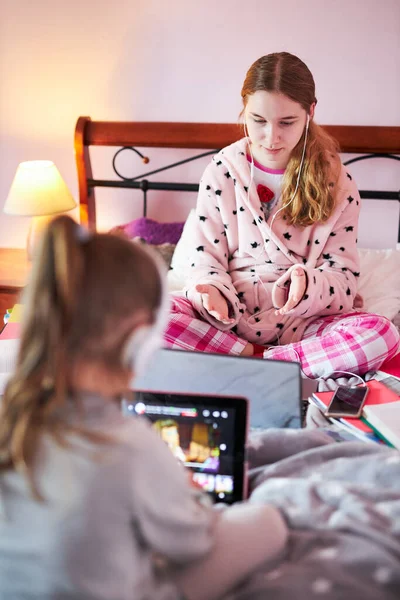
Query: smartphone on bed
x=347 y=402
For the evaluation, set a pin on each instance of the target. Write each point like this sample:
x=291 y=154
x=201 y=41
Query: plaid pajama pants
x=354 y=343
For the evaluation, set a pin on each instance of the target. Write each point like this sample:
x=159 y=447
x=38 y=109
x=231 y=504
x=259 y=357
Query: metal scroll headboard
x=370 y=142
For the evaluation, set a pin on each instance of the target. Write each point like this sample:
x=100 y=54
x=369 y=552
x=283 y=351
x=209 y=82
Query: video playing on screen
x=201 y=437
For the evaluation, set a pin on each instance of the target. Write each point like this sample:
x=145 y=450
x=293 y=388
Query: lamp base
x=37 y=227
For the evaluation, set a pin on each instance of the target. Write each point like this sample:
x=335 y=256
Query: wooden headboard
x=367 y=141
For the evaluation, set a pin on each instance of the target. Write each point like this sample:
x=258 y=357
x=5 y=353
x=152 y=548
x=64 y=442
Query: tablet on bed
x=207 y=434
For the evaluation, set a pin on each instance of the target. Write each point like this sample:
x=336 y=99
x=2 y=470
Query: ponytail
x=38 y=385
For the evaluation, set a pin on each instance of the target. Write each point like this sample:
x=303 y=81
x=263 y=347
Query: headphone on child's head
x=146 y=339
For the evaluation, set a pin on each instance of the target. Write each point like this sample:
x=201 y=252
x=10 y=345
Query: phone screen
x=347 y=401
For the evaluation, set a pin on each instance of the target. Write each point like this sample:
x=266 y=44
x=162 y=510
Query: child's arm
x=212 y=550
x=169 y=513
x=209 y=258
x=247 y=536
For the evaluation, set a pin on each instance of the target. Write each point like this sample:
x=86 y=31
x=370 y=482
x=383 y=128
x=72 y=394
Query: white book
x=385 y=418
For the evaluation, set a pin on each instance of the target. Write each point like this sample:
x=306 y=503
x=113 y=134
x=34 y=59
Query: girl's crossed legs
x=357 y=343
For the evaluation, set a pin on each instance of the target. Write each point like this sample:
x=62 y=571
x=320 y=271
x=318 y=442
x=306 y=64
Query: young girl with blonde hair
x=93 y=503
x=274 y=263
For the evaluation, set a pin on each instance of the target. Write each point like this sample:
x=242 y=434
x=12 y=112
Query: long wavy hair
x=286 y=74
x=83 y=294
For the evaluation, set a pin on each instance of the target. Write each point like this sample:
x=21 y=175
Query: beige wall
x=181 y=60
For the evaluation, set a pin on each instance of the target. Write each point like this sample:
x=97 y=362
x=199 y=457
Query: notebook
x=385 y=419
x=272 y=387
x=208 y=434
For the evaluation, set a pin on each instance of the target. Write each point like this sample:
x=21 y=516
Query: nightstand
x=14 y=268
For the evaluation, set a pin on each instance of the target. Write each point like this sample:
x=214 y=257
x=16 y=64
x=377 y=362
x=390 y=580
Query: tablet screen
x=206 y=433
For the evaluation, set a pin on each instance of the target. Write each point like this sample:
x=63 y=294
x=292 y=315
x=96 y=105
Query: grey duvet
x=341 y=502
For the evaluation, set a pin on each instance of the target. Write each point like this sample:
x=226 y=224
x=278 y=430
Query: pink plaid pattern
x=187 y=331
x=357 y=343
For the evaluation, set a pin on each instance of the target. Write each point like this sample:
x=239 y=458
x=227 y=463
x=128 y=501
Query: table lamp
x=38 y=191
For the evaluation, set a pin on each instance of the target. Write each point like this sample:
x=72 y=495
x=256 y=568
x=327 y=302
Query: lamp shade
x=38 y=189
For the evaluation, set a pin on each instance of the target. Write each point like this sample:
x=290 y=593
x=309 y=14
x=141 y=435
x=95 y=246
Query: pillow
x=164 y=250
x=162 y=236
x=178 y=273
x=379 y=282
x=152 y=232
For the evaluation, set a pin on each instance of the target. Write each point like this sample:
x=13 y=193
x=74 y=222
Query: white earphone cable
x=298 y=175
x=246 y=133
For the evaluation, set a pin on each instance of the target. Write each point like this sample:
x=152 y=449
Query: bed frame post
x=87 y=200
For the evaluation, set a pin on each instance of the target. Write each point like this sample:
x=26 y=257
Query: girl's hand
x=214 y=303
x=297 y=288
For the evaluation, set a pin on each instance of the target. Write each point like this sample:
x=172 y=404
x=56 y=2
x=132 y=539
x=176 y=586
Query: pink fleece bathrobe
x=249 y=260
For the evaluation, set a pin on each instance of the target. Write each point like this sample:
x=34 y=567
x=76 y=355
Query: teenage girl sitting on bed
x=274 y=266
x=88 y=497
